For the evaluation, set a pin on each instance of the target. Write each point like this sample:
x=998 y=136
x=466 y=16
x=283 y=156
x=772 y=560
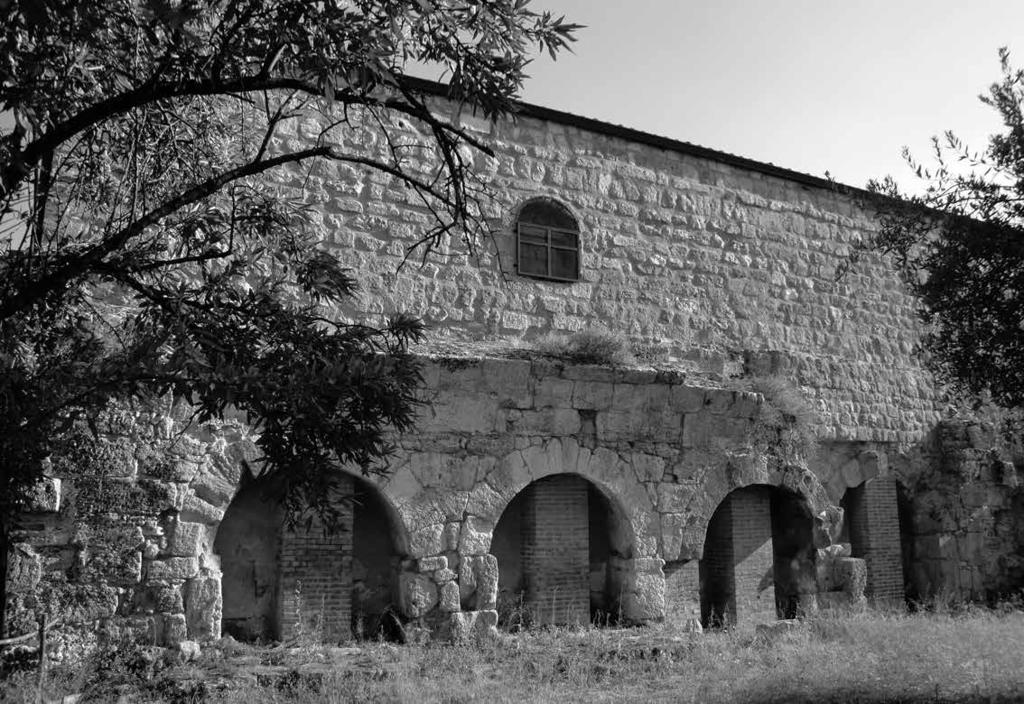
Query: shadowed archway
x=281 y=580
x=759 y=557
x=563 y=550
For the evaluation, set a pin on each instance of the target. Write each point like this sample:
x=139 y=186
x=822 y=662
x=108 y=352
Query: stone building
x=537 y=490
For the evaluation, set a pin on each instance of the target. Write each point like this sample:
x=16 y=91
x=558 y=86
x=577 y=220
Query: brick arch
x=275 y=579
x=873 y=527
x=759 y=556
x=639 y=582
x=563 y=551
x=230 y=463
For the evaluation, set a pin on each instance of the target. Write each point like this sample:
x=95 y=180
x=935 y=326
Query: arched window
x=547 y=242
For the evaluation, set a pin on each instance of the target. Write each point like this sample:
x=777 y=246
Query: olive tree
x=959 y=246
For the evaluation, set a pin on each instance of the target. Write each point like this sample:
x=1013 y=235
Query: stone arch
x=556 y=199
x=610 y=473
x=792 y=478
x=452 y=505
x=563 y=549
x=279 y=579
x=758 y=561
x=639 y=583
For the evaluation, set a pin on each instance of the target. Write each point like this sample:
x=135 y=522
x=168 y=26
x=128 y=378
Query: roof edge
x=638 y=136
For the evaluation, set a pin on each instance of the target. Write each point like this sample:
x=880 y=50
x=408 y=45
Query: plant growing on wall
x=960 y=249
x=150 y=242
x=595 y=346
x=786 y=424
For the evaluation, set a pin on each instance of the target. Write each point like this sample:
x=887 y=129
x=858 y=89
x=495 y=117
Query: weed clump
x=788 y=418
x=595 y=346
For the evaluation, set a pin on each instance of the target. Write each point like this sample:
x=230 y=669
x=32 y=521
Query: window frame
x=549 y=247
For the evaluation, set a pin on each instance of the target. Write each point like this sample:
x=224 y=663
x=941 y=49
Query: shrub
x=597 y=346
x=651 y=353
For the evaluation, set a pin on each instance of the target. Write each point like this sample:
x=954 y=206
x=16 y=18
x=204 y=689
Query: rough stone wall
x=726 y=271
x=709 y=262
x=683 y=592
x=135 y=539
x=964 y=522
x=125 y=548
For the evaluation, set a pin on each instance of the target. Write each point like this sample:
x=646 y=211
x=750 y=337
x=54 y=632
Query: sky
x=810 y=85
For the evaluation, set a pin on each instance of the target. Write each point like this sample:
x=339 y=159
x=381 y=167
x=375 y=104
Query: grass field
x=972 y=656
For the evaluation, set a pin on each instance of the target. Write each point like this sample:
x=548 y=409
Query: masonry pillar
x=315 y=585
x=555 y=551
x=682 y=591
x=873 y=515
x=737 y=582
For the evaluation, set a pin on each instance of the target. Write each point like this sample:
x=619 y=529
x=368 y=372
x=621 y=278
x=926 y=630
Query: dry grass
x=969 y=657
x=596 y=346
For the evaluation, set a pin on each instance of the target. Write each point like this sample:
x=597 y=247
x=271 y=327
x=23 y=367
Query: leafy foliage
x=960 y=249
x=143 y=250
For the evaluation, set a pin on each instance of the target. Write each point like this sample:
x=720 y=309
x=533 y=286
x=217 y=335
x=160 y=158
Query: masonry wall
x=964 y=512
x=710 y=266
x=717 y=272
x=654 y=452
x=683 y=592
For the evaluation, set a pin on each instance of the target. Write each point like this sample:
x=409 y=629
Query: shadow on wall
x=759 y=557
x=562 y=549
x=248 y=540
x=279 y=582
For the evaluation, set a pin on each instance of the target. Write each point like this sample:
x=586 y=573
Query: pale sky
x=810 y=85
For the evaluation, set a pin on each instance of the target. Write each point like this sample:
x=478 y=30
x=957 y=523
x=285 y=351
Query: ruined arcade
x=540 y=491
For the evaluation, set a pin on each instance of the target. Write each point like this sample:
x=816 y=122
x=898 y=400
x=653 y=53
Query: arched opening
x=560 y=546
x=247 y=541
x=378 y=548
x=280 y=580
x=759 y=557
